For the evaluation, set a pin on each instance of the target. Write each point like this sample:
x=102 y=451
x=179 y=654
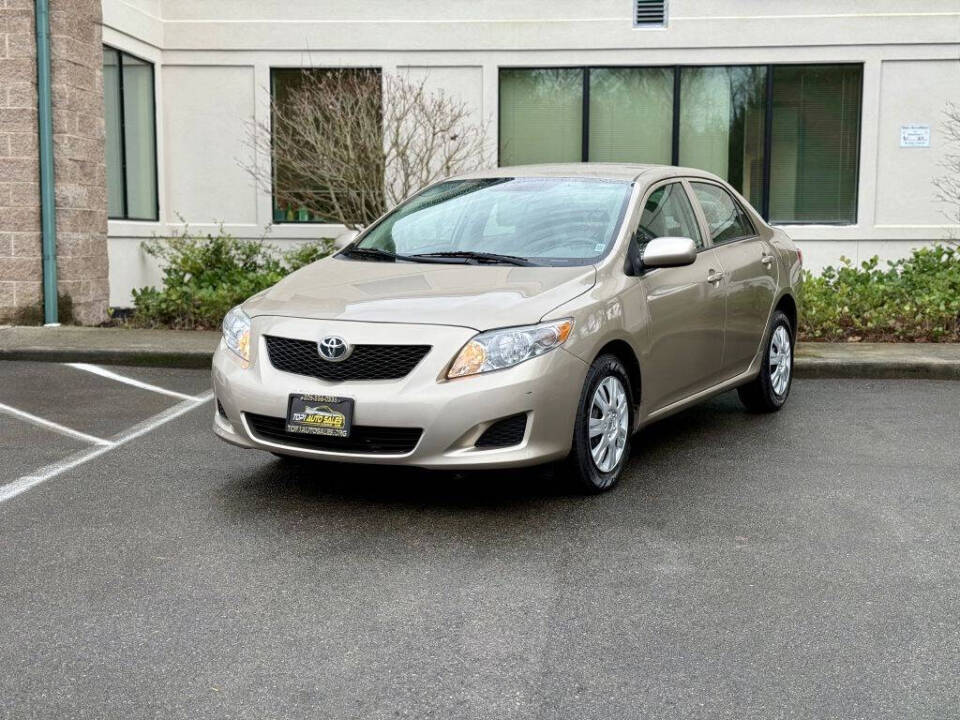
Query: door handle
x=767 y=259
x=714 y=277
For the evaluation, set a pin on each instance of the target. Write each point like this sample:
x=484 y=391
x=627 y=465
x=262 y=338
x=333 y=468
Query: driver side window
x=668 y=213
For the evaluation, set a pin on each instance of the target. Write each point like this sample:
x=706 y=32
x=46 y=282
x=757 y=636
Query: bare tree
x=345 y=145
x=948 y=186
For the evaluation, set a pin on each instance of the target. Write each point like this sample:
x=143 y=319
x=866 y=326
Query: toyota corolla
x=514 y=317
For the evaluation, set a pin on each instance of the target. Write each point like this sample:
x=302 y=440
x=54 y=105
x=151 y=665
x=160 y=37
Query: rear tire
x=769 y=390
x=604 y=424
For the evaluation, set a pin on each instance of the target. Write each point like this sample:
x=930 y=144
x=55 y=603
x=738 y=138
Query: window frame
x=123 y=138
x=764 y=209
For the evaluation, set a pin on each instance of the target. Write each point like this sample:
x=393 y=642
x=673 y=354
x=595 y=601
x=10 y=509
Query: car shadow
x=320 y=482
x=276 y=482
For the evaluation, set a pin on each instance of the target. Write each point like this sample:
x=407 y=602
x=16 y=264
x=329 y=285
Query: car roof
x=602 y=171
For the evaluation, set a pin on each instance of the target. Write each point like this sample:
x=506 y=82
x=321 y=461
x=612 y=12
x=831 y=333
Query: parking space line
x=24 y=483
x=102 y=372
x=56 y=427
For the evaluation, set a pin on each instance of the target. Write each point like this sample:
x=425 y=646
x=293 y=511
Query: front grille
x=503 y=433
x=366 y=362
x=363 y=438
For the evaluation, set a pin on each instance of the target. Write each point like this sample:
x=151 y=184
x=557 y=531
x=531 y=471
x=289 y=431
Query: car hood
x=474 y=296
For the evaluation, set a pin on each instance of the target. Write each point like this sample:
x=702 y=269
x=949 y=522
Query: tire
x=582 y=466
x=769 y=390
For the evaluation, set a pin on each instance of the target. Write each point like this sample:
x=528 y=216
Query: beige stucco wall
x=213 y=62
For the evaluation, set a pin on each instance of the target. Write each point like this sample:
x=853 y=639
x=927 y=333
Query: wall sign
x=914 y=135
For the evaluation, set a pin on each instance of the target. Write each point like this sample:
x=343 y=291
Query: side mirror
x=669 y=252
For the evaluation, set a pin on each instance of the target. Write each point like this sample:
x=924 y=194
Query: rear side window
x=725 y=218
x=668 y=213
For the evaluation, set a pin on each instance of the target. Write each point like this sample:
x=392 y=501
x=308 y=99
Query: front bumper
x=452 y=413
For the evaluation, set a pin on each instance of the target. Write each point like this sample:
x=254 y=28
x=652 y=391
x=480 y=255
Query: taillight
x=800 y=256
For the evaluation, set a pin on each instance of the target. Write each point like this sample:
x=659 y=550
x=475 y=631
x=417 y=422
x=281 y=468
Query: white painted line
x=103 y=372
x=56 y=427
x=22 y=484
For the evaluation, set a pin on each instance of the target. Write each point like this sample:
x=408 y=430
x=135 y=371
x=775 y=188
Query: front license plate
x=320 y=415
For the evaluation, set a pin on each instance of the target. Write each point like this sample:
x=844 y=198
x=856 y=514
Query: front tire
x=769 y=390
x=604 y=424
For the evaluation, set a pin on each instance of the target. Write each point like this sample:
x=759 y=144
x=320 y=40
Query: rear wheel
x=769 y=391
x=601 y=433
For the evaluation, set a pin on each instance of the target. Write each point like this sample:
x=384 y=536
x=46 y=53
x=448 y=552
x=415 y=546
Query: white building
x=825 y=113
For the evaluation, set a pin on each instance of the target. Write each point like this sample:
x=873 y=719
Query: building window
x=816 y=141
x=131 y=139
x=722 y=114
x=631 y=114
x=540 y=116
x=786 y=136
x=297 y=196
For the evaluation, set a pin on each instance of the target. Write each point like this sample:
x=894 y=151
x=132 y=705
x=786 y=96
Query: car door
x=684 y=305
x=749 y=273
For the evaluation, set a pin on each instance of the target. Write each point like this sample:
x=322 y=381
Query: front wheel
x=768 y=392
x=601 y=433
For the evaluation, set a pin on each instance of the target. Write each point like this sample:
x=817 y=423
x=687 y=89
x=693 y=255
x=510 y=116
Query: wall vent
x=649 y=13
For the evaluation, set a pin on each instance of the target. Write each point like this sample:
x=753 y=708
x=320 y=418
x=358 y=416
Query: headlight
x=236 y=333
x=498 y=349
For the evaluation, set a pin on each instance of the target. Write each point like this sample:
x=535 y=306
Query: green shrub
x=205 y=276
x=914 y=299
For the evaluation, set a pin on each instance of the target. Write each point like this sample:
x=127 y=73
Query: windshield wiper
x=372 y=253
x=387 y=256
x=478 y=256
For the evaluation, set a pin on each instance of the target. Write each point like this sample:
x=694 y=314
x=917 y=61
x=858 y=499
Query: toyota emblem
x=334 y=348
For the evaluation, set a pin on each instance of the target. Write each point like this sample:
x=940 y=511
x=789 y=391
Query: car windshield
x=538 y=221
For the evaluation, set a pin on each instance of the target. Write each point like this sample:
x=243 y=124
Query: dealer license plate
x=320 y=415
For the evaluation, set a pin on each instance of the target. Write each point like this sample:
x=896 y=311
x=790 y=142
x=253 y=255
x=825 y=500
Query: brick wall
x=76 y=52
x=79 y=158
x=20 y=270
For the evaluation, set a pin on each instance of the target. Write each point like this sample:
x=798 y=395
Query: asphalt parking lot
x=802 y=565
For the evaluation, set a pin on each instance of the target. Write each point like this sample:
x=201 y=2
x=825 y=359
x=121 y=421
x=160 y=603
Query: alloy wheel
x=609 y=423
x=781 y=360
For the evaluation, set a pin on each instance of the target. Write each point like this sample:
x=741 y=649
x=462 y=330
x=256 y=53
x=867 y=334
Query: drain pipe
x=48 y=205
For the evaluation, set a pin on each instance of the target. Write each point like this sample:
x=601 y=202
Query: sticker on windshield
x=598 y=248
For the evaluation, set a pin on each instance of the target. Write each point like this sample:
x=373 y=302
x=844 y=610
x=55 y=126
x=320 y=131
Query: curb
x=804 y=367
x=895 y=369
x=143 y=358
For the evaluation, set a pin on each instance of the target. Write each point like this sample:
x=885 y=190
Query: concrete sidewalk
x=112 y=346
x=189 y=349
